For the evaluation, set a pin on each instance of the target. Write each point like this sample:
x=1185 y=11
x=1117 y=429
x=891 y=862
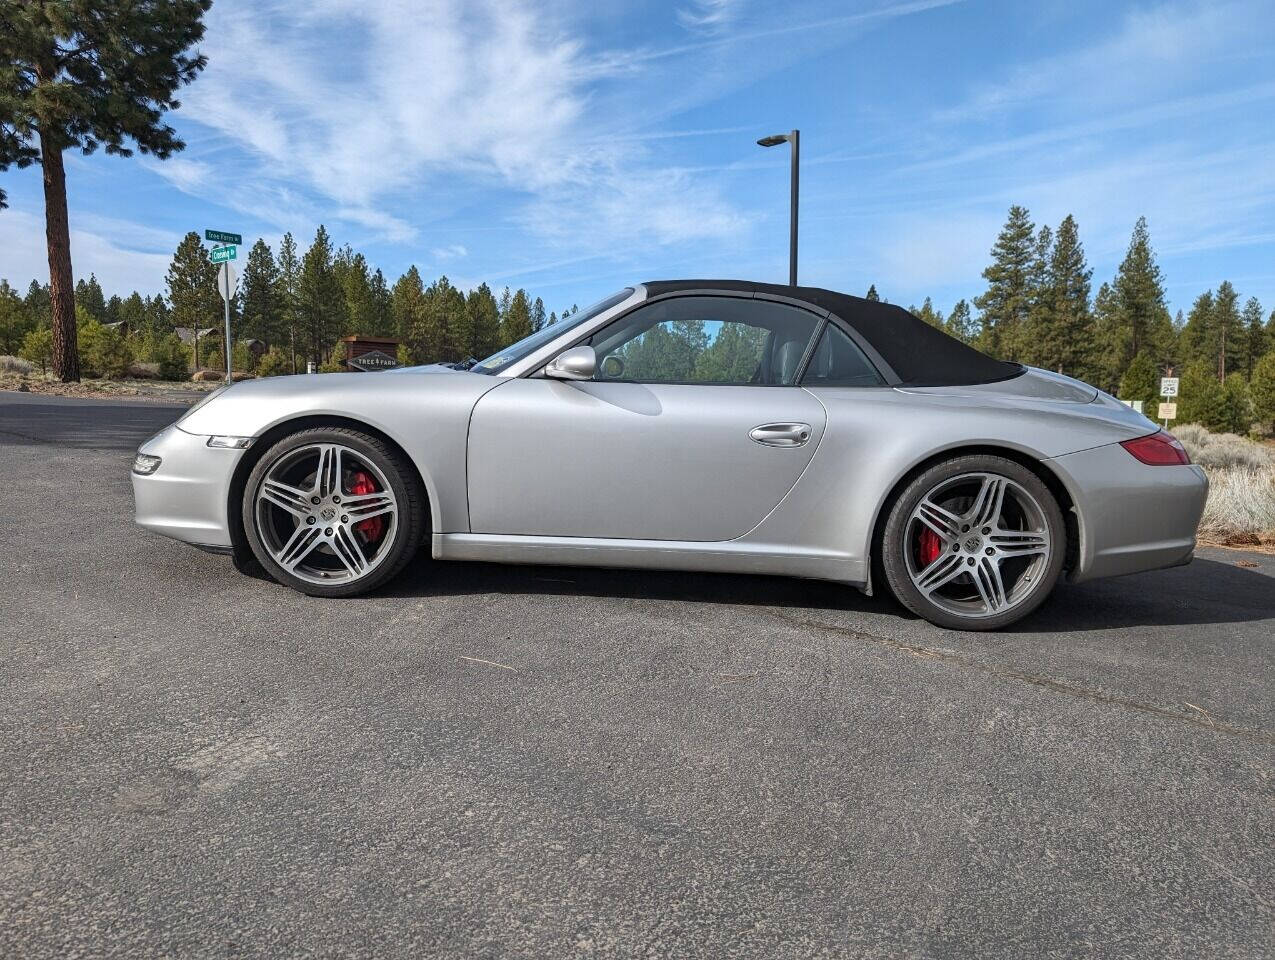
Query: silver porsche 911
x=691 y=425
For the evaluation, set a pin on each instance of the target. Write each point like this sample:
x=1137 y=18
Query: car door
x=693 y=428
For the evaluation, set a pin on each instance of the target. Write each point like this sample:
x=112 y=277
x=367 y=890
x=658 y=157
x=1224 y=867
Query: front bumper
x=1132 y=516
x=186 y=498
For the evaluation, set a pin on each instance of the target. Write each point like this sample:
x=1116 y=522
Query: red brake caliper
x=373 y=527
x=928 y=547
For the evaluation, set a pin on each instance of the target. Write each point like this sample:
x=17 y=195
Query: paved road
x=518 y=762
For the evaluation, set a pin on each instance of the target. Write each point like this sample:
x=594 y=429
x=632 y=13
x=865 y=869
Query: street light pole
x=794 y=138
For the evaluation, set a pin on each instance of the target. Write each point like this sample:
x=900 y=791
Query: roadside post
x=1169 y=391
x=227 y=281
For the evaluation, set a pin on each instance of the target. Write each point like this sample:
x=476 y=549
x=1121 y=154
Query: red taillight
x=1159 y=450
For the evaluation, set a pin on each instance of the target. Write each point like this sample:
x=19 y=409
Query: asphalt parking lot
x=539 y=762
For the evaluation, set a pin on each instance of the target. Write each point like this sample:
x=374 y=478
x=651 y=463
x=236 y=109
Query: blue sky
x=572 y=148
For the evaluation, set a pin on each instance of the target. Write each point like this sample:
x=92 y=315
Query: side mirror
x=578 y=363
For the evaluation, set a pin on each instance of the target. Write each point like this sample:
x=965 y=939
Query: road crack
x=1207 y=721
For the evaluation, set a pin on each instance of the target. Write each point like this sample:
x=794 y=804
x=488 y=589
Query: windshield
x=512 y=354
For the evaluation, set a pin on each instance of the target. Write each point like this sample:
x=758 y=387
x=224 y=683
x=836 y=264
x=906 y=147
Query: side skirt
x=721 y=557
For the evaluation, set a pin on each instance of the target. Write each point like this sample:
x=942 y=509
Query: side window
x=838 y=362
x=723 y=340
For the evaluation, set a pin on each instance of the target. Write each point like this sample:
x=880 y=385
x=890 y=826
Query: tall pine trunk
x=66 y=356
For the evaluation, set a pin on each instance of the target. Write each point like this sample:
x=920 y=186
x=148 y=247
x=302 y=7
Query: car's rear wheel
x=974 y=543
x=333 y=512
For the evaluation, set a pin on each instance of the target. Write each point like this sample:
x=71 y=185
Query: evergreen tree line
x=297 y=304
x=1037 y=309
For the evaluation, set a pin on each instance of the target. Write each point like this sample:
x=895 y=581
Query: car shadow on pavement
x=1207 y=591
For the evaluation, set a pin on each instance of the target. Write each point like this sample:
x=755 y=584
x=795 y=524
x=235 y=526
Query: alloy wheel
x=977 y=544
x=325 y=513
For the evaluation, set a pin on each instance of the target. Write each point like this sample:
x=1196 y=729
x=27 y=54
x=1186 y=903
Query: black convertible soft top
x=919 y=354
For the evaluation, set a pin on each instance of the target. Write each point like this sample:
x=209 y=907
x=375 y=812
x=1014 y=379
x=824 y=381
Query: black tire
x=894 y=542
x=408 y=493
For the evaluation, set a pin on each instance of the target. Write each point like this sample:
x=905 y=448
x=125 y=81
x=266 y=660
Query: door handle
x=781 y=434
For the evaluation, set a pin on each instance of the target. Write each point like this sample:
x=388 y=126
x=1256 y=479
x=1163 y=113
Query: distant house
x=187 y=335
x=257 y=348
x=119 y=326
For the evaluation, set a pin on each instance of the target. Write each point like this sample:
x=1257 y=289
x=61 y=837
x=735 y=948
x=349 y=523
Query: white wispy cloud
x=708 y=16
x=450 y=252
x=418 y=94
x=106 y=249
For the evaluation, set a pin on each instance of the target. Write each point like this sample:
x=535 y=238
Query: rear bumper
x=186 y=497
x=1132 y=517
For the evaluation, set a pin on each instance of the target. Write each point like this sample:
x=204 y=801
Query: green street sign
x=220 y=236
x=222 y=254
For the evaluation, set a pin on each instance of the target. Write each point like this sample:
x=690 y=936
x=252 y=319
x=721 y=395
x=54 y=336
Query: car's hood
x=425 y=368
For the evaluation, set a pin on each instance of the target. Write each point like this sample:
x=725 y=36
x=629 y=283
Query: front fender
x=426 y=414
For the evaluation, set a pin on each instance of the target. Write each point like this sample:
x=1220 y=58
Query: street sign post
x=222 y=254
x=221 y=236
x=1168 y=387
x=227 y=282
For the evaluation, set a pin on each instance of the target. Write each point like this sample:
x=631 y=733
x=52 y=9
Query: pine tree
x=132 y=313
x=408 y=304
x=88 y=293
x=259 y=297
x=517 y=321
x=960 y=324
x=78 y=74
x=1200 y=398
x=1237 y=407
x=1005 y=305
x=1262 y=390
x=441 y=331
x=356 y=283
x=192 y=288
x=1143 y=318
x=289 y=273
x=872 y=293
x=111 y=314
x=1141 y=382
x=382 y=319
x=320 y=300
x=1227 y=337
x=927 y=313
x=1254 y=337
x=537 y=315
x=1065 y=329
x=484 y=322
x=39 y=304
x=502 y=309
x=15 y=319
x=1195 y=343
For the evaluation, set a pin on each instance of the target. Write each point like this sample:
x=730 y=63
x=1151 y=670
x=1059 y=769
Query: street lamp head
x=773 y=141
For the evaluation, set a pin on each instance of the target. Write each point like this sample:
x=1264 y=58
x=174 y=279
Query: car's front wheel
x=333 y=512
x=974 y=543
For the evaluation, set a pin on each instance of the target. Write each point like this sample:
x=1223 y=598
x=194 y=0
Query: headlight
x=145 y=464
x=199 y=403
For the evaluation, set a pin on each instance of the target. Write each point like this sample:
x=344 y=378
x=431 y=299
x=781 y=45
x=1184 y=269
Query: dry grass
x=11 y=364
x=160 y=390
x=1241 y=506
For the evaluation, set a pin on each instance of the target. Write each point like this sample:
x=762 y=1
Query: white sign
x=1168 y=411
x=227 y=281
x=1168 y=386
